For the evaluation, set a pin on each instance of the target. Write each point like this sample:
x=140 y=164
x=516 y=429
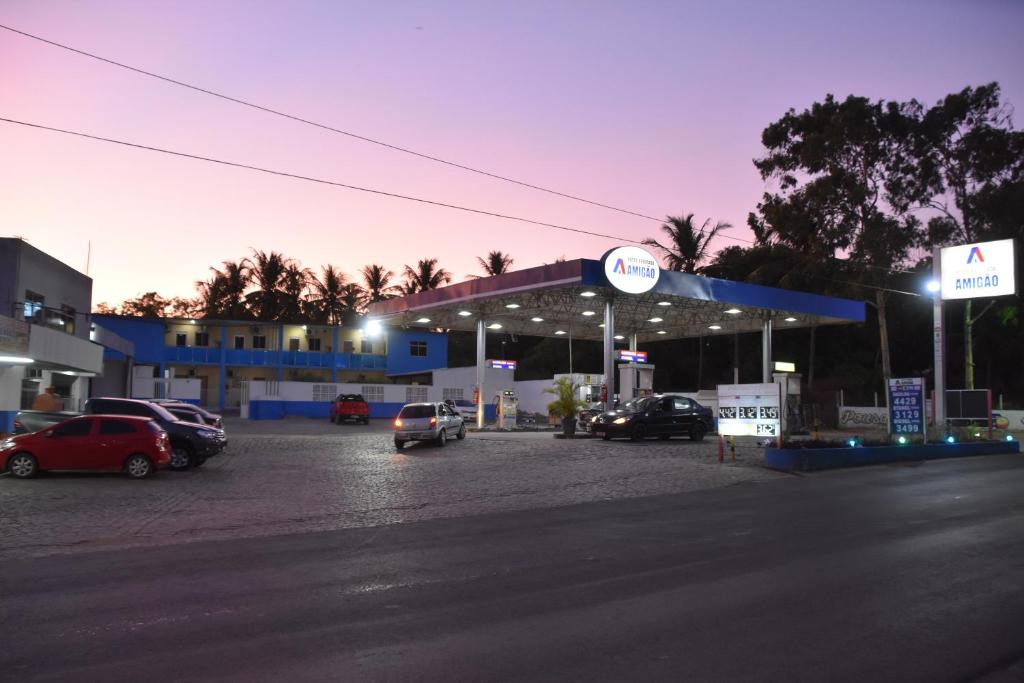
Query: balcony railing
x=263 y=358
x=37 y=314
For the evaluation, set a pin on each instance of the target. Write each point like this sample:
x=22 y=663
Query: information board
x=906 y=406
x=502 y=364
x=750 y=409
x=632 y=356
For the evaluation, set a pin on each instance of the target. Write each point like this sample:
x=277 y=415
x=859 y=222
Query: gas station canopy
x=625 y=295
x=570 y=297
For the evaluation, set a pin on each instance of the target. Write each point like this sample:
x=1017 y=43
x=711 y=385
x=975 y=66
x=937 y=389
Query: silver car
x=428 y=422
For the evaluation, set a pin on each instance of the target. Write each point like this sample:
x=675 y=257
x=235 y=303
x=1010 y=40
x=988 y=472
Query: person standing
x=48 y=401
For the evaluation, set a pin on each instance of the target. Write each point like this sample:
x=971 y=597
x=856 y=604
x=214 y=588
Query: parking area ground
x=300 y=475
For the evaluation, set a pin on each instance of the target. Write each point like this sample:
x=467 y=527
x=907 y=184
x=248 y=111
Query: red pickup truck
x=350 y=407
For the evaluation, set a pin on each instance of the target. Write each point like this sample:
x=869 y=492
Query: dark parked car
x=28 y=421
x=138 y=446
x=663 y=416
x=191 y=413
x=191 y=444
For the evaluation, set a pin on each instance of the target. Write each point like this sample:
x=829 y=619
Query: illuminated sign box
x=782 y=366
x=502 y=364
x=750 y=409
x=979 y=270
x=633 y=356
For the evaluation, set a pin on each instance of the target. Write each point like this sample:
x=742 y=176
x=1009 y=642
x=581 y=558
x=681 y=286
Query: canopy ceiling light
x=559 y=331
x=661 y=332
x=733 y=311
x=423 y=320
x=714 y=327
x=537 y=320
x=655 y=320
x=588 y=293
x=664 y=303
x=465 y=314
x=791 y=320
x=588 y=313
x=511 y=305
x=494 y=326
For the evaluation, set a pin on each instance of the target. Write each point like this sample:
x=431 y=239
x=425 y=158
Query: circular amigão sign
x=631 y=269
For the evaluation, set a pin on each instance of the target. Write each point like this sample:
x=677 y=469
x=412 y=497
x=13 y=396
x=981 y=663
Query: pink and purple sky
x=652 y=106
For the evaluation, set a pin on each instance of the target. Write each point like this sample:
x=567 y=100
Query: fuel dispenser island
x=507 y=404
x=793 y=421
x=636 y=376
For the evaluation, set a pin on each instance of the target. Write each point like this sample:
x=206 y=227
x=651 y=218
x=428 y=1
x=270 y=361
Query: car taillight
x=433 y=421
x=398 y=423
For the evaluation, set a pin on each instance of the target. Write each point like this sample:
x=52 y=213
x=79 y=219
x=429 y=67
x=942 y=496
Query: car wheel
x=138 y=466
x=462 y=432
x=181 y=457
x=22 y=466
x=399 y=444
x=697 y=432
x=442 y=438
x=606 y=436
x=639 y=432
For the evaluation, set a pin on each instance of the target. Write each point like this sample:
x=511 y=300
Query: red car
x=350 y=407
x=135 y=445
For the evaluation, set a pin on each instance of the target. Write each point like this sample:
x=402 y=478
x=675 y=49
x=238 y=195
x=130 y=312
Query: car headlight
x=208 y=435
x=620 y=420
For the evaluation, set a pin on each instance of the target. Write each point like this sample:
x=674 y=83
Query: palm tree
x=231 y=283
x=495 y=263
x=377 y=283
x=425 y=276
x=688 y=245
x=353 y=299
x=328 y=307
x=294 y=284
x=267 y=271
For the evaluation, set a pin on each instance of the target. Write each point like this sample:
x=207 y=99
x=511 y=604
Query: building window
x=365 y=346
x=202 y=338
x=373 y=394
x=34 y=305
x=348 y=347
x=239 y=341
x=452 y=393
x=293 y=343
x=180 y=339
x=67 y=318
x=314 y=343
x=415 y=394
x=259 y=341
x=418 y=348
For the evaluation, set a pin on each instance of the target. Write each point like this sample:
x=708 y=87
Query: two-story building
x=44 y=330
x=209 y=361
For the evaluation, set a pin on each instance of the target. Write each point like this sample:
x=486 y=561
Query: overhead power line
x=324 y=126
x=321 y=181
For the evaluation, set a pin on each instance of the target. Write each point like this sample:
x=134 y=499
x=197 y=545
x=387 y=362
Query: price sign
x=906 y=406
x=750 y=410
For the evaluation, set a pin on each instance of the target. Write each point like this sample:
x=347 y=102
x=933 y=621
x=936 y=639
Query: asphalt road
x=878 y=574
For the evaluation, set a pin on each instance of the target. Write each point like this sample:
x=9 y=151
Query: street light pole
x=938 y=340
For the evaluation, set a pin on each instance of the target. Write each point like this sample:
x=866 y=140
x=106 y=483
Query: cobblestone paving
x=299 y=476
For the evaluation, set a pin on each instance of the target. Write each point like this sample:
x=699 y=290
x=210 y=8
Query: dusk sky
x=656 y=107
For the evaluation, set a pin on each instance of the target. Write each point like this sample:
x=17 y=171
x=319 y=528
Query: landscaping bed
x=809 y=456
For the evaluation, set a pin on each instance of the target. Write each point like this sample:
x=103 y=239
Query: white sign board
x=750 y=409
x=971 y=271
x=631 y=269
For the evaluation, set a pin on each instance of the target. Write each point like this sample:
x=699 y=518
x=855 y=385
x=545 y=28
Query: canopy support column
x=481 y=351
x=766 y=350
x=609 y=354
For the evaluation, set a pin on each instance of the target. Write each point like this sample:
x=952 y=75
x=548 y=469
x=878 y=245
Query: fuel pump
x=507 y=409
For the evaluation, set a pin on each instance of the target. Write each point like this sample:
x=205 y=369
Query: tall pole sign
x=967 y=271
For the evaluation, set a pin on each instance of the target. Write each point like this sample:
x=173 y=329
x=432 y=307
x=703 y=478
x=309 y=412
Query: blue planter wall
x=812 y=459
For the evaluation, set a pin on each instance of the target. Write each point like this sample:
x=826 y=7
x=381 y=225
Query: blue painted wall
x=7 y=421
x=401 y=362
x=147 y=335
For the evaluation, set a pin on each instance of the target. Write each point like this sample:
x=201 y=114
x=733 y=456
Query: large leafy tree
x=686 y=246
x=845 y=184
x=378 y=282
x=495 y=263
x=353 y=303
x=426 y=275
x=972 y=163
x=148 y=305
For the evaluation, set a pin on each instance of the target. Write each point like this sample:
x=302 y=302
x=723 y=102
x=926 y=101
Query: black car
x=191 y=444
x=663 y=416
x=190 y=413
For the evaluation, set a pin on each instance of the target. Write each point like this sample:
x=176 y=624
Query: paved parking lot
x=303 y=475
